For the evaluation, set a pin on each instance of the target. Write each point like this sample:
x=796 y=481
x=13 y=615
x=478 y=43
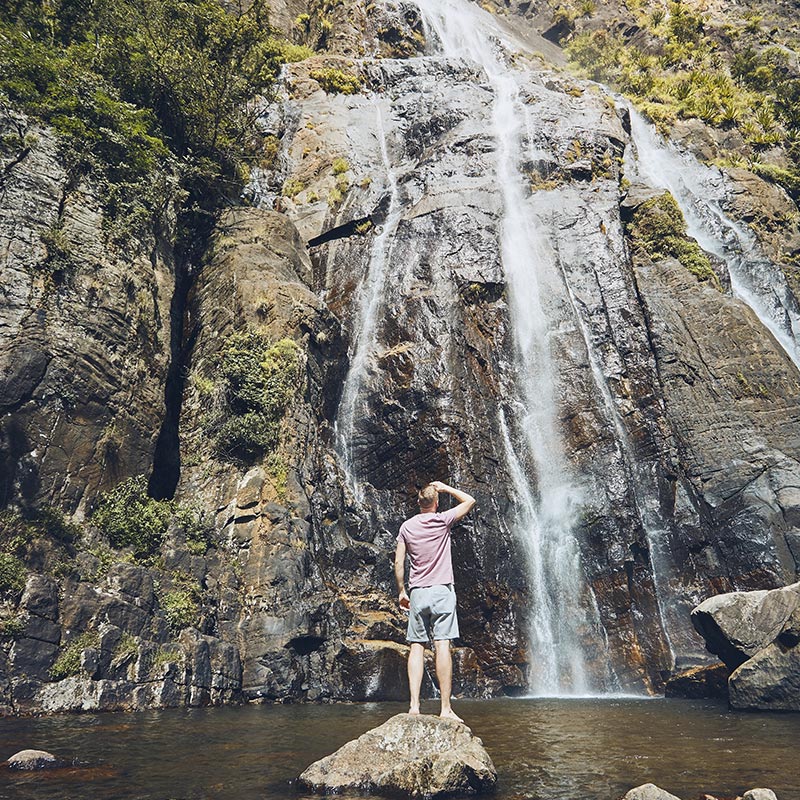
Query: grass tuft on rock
x=12 y=574
x=336 y=81
x=68 y=662
x=658 y=230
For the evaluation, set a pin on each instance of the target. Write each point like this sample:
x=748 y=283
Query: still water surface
x=549 y=749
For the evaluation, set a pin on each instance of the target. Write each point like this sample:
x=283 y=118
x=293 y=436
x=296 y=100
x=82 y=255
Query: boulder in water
x=417 y=756
x=33 y=760
x=769 y=680
x=649 y=791
x=736 y=625
x=759 y=794
x=757 y=634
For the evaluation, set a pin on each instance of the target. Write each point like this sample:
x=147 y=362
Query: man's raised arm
x=400 y=574
x=465 y=501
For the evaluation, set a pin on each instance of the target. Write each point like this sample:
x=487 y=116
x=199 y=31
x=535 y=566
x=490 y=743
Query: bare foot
x=450 y=714
x=414 y=712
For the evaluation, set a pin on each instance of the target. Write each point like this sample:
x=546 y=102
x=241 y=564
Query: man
x=432 y=603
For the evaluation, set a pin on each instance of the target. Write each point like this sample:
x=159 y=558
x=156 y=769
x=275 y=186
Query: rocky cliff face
x=374 y=246
x=85 y=336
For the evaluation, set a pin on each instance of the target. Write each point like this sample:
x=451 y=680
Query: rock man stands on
x=432 y=605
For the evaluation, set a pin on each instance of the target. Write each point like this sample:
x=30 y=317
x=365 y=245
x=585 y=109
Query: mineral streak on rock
x=412 y=756
x=699 y=682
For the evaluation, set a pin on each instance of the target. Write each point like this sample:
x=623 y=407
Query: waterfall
x=700 y=191
x=564 y=624
x=370 y=293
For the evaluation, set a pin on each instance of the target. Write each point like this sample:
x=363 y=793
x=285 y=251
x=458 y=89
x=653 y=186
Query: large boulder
x=757 y=634
x=737 y=625
x=769 y=680
x=417 y=756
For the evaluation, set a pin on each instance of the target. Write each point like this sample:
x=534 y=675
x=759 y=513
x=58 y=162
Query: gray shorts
x=432 y=614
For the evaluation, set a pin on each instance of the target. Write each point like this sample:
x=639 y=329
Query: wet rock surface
x=699 y=682
x=678 y=410
x=416 y=756
x=30 y=760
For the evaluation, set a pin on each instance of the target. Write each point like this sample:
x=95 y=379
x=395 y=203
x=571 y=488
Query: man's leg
x=444 y=674
x=416 y=665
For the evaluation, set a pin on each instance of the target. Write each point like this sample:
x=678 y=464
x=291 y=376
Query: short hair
x=427 y=496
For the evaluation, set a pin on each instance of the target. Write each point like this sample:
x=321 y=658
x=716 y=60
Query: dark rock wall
x=678 y=410
x=84 y=334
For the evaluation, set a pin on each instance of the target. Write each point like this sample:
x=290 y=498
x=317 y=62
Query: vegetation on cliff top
x=150 y=97
x=680 y=63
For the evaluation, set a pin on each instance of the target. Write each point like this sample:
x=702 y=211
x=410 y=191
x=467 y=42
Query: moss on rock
x=658 y=230
x=258 y=379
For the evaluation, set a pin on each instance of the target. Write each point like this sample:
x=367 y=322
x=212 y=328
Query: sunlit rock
x=417 y=756
x=29 y=760
x=649 y=791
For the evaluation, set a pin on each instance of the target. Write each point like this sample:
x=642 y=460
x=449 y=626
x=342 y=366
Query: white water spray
x=700 y=192
x=563 y=619
x=371 y=293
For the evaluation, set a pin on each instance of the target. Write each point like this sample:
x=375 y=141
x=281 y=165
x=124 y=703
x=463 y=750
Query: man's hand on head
x=439 y=486
x=405 y=603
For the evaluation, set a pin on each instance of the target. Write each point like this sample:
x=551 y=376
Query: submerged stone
x=649 y=791
x=33 y=760
x=417 y=756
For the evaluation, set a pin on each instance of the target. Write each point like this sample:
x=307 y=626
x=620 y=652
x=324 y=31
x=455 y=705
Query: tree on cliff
x=154 y=97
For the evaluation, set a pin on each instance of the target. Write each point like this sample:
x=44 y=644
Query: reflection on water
x=549 y=749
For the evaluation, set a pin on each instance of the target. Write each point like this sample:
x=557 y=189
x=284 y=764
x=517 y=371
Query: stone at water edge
x=699 y=682
x=649 y=791
x=33 y=759
x=736 y=625
x=769 y=681
x=759 y=794
x=407 y=755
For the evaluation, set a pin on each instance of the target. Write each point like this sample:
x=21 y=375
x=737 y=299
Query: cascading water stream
x=700 y=191
x=370 y=293
x=563 y=617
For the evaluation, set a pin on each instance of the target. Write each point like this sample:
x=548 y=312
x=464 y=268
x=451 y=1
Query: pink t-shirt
x=427 y=538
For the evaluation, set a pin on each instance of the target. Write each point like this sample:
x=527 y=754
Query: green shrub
x=259 y=381
x=130 y=518
x=340 y=166
x=290 y=53
x=11 y=627
x=658 y=230
x=181 y=608
x=12 y=574
x=335 y=81
x=292 y=187
x=69 y=662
